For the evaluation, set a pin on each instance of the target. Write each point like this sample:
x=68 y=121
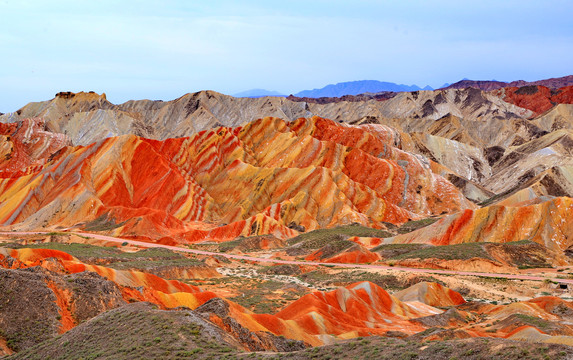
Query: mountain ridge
x=488 y=85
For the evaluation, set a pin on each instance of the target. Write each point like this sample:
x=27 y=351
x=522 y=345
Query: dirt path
x=292 y=262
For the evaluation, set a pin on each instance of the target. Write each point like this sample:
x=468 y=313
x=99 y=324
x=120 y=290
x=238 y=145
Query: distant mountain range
x=358 y=87
x=340 y=89
x=375 y=86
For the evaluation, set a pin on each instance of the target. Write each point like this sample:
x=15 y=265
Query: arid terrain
x=411 y=225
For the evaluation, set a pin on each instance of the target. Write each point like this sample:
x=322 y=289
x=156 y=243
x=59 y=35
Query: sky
x=163 y=49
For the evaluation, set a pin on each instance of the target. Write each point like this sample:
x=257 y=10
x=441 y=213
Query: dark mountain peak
x=485 y=85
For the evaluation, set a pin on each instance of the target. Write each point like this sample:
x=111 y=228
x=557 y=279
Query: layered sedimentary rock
x=273 y=176
x=559 y=117
x=356 y=254
x=195 y=170
x=89 y=117
x=480 y=125
x=545 y=221
x=261 y=178
x=432 y=294
x=536 y=98
x=470 y=104
x=25 y=146
x=497 y=156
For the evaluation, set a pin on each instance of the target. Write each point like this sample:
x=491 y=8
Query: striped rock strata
x=267 y=177
x=545 y=221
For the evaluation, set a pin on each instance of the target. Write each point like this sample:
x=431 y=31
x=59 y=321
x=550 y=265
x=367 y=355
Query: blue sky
x=163 y=49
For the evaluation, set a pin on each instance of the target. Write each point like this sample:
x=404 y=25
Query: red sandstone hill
x=267 y=177
x=536 y=98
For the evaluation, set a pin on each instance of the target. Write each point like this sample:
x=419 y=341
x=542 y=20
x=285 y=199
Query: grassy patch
x=524 y=254
x=415 y=225
x=405 y=349
x=259 y=297
x=388 y=251
x=92 y=251
x=103 y=223
x=56 y=233
x=145 y=265
x=230 y=245
x=117 y=259
x=448 y=252
x=520 y=243
x=334 y=247
x=280 y=269
x=539 y=323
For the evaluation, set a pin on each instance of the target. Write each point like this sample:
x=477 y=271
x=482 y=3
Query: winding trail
x=293 y=262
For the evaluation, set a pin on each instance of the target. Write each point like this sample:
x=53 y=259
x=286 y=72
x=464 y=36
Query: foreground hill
x=544 y=221
x=104 y=312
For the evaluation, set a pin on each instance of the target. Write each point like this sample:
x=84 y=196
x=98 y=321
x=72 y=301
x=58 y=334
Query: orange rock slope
x=356 y=254
x=167 y=293
x=543 y=220
x=432 y=294
x=267 y=177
